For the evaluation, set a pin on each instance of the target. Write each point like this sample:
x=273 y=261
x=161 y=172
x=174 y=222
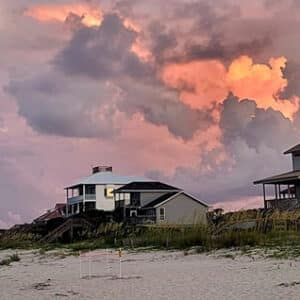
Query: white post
x=120 y=259
x=80 y=265
x=90 y=266
x=120 y=275
x=107 y=266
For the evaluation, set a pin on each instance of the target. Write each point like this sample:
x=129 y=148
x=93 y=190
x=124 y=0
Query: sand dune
x=151 y=275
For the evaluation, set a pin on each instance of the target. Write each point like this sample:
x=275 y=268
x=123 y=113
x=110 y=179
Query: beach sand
x=148 y=275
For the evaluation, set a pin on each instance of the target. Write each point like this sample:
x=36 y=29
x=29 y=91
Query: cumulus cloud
x=249 y=150
x=55 y=105
x=112 y=79
x=102 y=52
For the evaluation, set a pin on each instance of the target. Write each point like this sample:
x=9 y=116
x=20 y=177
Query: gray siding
x=147 y=197
x=296 y=163
x=183 y=210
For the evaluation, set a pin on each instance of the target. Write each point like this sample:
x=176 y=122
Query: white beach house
x=96 y=190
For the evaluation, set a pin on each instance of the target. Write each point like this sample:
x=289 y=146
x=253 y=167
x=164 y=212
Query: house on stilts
x=286 y=186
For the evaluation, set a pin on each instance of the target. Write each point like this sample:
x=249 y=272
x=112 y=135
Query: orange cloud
x=202 y=83
x=59 y=13
x=260 y=82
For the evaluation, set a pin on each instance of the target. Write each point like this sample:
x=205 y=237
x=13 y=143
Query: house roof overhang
x=295 y=149
x=285 y=178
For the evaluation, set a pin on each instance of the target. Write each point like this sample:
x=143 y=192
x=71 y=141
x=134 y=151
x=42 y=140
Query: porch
x=281 y=192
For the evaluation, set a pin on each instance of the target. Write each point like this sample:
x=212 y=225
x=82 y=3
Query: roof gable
x=169 y=196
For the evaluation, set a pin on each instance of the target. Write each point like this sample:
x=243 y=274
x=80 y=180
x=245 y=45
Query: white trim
x=160 y=215
x=182 y=192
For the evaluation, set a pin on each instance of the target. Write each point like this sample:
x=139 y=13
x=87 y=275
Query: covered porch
x=281 y=191
x=80 y=198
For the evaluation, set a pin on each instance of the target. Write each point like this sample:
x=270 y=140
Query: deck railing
x=286 y=203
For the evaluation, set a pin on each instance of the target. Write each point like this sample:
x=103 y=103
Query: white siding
x=103 y=203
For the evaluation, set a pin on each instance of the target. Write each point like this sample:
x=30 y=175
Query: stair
x=68 y=225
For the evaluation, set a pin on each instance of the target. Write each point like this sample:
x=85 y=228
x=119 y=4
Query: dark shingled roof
x=160 y=199
x=147 y=186
x=293 y=149
x=281 y=178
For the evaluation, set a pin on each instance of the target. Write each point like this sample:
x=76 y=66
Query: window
x=90 y=189
x=162 y=214
x=109 y=192
x=135 y=199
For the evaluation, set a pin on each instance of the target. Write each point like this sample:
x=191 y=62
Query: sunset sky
x=200 y=94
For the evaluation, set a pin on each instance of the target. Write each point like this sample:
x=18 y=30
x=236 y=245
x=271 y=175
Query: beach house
x=285 y=186
x=157 y=202
x=96 y=191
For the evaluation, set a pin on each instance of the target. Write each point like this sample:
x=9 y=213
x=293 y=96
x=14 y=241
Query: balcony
x=81 y=198
x=76 y=199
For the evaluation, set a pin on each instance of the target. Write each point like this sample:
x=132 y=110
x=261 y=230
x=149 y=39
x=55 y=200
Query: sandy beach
x=148 y=275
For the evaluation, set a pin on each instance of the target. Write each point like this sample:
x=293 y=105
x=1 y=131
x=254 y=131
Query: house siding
x=296 y=162
x=102 y=202
x=183 y=210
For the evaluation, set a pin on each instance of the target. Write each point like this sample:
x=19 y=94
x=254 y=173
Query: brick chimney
x=99 y=169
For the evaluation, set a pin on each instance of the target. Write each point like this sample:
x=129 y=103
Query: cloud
x=90 y=16
x=45 y=101
x=113 y=80
x=248 y=150
x=102 y=53
x=203 y=83
x=18 y=195
x=291 y=72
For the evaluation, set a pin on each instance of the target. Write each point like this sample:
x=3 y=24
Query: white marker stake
x=80 y=265
x=107 y=266
x=90 y=266
x=120 y=257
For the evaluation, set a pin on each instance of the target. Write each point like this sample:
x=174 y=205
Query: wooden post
x=264 y=191
x=67 y=206
x=83 y=197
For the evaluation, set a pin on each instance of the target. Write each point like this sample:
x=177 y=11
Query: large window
x=162 y=215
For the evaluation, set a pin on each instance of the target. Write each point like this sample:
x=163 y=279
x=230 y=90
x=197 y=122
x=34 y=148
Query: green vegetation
x=276 y=233
x=7 y=261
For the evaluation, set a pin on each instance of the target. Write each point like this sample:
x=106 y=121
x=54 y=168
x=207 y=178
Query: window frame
x=162 y=217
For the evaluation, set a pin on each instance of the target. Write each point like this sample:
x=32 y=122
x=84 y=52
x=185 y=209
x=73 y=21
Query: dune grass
x=11 y=258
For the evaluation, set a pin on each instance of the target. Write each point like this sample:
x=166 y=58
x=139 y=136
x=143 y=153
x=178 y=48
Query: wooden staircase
x=67 y=226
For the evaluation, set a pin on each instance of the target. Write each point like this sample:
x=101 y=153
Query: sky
x=200 y=94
